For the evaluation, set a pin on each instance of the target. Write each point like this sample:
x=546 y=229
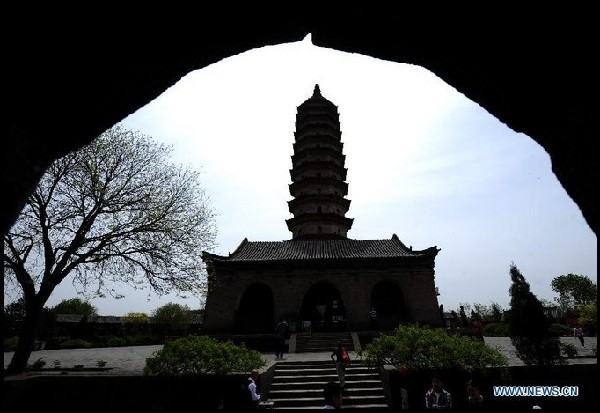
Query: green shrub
x=496 y=330
x=568 y=350
x=143 y=339
x=116 y=342
x=425 y=348
x=54 y=342
x=75 y=343
x=560 y=330
x=201 y=355
x=10 y=344
x=129 y=340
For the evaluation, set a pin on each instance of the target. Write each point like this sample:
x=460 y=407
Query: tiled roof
x=321 y=250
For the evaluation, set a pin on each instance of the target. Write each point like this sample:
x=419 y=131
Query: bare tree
x=116 y=211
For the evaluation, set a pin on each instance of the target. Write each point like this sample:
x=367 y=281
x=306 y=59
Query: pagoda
x=320 y=277
x=318 y=173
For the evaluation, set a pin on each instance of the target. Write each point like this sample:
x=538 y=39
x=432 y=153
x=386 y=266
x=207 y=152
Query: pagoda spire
x=318 y=173
x=317 y=92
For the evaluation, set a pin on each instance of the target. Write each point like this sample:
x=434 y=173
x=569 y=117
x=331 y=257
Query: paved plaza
x=131 y=360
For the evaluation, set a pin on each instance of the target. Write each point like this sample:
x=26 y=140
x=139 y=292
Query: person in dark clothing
x=282 y=331
x=437 y=397
x=578 y=332
x=333 y=395
x=474 y=397
x=340 y=364
x=373 y=318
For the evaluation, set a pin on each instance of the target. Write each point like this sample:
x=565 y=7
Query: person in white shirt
x=251 y=384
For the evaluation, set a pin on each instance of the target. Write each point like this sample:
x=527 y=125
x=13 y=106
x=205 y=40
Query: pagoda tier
x=318 y=173
x=307 y=204
x=318 y=168
x=319 y=141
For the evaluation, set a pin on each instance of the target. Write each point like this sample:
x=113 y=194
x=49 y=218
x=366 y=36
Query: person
x=437 y=397
x=340 y=365
x=373 y=317
x=253 y=395
x=578 y=332
x=282 y=330
x=474 y=399
x=403 y=398
x=333 y=395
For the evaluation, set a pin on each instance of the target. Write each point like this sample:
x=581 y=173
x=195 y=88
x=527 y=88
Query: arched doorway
x=255 y=313
x=324 y=308
x=388 y=301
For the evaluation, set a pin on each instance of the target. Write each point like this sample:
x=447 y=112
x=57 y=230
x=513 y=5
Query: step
x=320 y=384
x=330 y=339
x=326 y=359
x=316 y=363
x=299 y=384
x=317 y=349
x=324 y=370
x=320 y=407
x=339 y=336
x=328 y=377
x=318 y=392
x=347 y=401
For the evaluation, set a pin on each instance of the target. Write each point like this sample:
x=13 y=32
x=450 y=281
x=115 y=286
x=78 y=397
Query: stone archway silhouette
x=60 y=96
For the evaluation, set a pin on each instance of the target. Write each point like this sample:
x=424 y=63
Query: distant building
x=77 y=325
x=320 y=277
x=552 y=312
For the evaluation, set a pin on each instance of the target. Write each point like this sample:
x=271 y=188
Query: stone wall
x=355 y=284
x=119 y=393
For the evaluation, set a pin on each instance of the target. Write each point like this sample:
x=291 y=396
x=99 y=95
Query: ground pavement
x=131 y=360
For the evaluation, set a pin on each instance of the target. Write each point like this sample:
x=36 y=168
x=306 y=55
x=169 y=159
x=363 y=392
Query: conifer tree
x=528 y=325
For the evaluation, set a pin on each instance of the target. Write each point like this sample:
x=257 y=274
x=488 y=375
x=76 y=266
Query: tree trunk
x=18 y=364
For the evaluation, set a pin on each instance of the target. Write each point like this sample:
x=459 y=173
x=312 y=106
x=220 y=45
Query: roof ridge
x=242 y=244
x=325 y=249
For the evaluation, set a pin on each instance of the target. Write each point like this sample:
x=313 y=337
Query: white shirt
x=252 y=389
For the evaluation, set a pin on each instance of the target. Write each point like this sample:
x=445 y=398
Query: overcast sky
x=424 y=162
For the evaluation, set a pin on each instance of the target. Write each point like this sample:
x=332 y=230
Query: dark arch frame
x=255 y=311
x=60 y=96
x=325 y=296
x=388 y=301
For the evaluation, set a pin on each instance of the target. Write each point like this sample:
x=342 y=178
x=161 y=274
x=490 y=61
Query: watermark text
x=536 y=391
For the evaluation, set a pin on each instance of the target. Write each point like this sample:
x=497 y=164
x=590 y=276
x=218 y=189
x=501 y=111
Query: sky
x=424 y=163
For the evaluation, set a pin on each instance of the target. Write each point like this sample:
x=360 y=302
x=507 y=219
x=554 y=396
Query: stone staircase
x=300 y=384
x=322 y=342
